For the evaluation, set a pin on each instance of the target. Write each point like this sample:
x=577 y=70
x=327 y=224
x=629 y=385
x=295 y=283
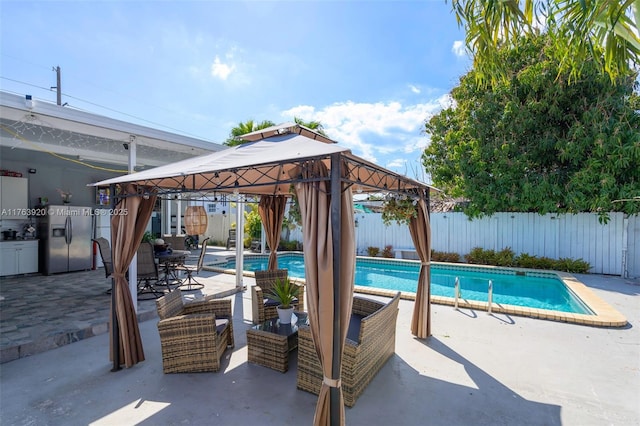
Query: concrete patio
x=474 y=369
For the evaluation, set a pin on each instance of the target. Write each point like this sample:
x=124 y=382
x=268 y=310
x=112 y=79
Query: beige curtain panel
x=271 y=210
x=127 y=229
x=315 y=208
x=420 y=230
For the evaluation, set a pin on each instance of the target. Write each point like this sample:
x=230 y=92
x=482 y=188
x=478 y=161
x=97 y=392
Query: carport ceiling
x=79 y=135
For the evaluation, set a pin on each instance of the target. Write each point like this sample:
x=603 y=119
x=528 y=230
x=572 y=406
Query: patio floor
x=475 y=369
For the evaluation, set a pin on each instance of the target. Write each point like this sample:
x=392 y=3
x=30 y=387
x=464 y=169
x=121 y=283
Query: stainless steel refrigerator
x=65 y=239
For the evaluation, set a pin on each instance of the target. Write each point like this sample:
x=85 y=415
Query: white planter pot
x=285 y=315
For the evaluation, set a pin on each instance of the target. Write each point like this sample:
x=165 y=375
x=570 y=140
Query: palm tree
x=579 y=26
x=313 y=125
x=244 y=128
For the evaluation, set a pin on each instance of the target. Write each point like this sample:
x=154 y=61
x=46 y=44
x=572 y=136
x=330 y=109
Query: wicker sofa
x=371 y=341
x=193 y=335
x=264 y=308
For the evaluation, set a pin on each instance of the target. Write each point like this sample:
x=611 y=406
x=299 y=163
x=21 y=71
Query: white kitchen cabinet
x=18 y=257
x=14 y=197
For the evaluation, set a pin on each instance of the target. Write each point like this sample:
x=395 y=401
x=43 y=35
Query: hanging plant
x=399 y=211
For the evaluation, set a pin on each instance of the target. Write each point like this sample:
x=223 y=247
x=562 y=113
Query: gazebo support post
x=115 y=329
x=239 y=242
x=336 y=220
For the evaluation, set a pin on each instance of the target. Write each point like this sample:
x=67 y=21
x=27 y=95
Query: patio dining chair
x=147 y=271
x=231 y=240
x=104 y=248
x=190 y=283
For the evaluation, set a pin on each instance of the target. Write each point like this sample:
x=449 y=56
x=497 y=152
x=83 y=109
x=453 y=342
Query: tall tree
x=580 y=25
x=243 y=128
x=537 y=143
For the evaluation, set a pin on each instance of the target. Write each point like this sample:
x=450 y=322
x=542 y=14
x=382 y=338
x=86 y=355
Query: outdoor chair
x=231 y=240
x=256 y=246
x=193 y=335
x=190 y=283
x=371 y=340
x=104 y=248
x=147 y=270
x=176 y=242
x=263 y=306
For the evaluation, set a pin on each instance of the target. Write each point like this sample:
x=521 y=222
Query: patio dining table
x=169 y=260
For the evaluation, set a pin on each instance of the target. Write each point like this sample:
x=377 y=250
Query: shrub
x=387 y=252
x=253 y=223
x=525 y=260
x=563 y=264
x=292 y=245
x=373 y=251
x=572 y=265
x=480 y=256
x=443 y=256
x=505 y=257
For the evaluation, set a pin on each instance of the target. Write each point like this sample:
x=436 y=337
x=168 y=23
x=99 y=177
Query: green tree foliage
x=252 y=222
x=313 y=125
x=243 y=128
x=535 y=142
x=579 y=25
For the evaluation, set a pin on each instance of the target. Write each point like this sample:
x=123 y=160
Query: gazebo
x=274 y=163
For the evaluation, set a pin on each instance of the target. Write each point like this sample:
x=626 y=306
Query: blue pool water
x=543 y=291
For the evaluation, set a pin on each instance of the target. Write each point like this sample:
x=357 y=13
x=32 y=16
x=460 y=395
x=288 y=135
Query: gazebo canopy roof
x=267 y=165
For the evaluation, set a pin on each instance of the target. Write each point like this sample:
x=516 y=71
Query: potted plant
x=285 y=292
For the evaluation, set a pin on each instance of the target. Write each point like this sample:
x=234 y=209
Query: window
x=211 y=208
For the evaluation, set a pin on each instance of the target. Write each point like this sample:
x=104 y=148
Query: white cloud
x=459 y=49
x=220 y=69
x=414 y=89
x=373 y=130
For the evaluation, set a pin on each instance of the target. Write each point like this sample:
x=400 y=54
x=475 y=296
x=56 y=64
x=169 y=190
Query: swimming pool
x=534 y=289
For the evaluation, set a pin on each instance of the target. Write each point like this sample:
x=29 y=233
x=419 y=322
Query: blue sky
x=371 y=72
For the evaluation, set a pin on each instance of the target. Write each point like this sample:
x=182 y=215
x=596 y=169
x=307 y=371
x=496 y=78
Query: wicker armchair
x=193 y=335
x=371 y=341
x=263 y=307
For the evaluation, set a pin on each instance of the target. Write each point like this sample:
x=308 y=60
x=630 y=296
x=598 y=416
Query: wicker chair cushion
x=353 y=333
x=221 y=324
x=270 y=302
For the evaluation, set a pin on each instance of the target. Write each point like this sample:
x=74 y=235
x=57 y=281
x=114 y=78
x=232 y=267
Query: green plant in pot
x=285 y=292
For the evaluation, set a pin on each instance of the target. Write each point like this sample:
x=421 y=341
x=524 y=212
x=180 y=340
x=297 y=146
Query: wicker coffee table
x=269 y=343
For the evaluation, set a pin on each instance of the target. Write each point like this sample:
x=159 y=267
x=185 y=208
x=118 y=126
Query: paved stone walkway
x=39 y=313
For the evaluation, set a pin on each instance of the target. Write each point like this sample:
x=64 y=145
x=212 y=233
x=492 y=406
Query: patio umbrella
x=127 y=229
x=329 y=257
x=271 y=210
x=420 y=230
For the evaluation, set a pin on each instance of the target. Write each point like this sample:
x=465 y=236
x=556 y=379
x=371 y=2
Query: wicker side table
x=269 y=343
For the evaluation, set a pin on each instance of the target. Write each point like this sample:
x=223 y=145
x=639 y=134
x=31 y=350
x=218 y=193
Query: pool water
x=543 y=290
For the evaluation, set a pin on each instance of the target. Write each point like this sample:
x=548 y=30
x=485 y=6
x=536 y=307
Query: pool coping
x=604 y=315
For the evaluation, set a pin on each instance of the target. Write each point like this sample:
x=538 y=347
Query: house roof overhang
x=46 y=127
